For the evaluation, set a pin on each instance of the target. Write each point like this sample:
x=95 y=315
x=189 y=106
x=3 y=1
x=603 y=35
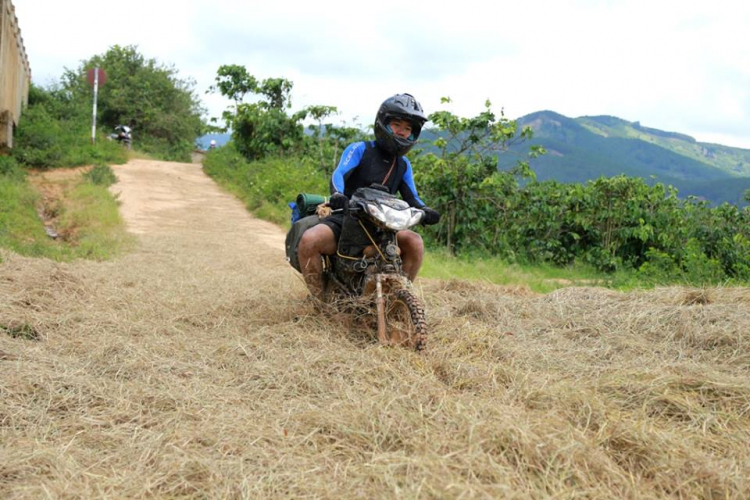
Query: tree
x=460 y=177
x=161 y=108
x=264 y=127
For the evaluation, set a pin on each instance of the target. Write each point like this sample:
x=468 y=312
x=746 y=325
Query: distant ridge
x=585 y=148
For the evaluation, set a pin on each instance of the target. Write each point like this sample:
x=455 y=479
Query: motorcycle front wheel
x=405 y=320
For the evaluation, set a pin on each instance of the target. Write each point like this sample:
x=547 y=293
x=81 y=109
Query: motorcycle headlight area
x=396 y=219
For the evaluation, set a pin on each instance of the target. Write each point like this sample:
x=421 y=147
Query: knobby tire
x=404 y=301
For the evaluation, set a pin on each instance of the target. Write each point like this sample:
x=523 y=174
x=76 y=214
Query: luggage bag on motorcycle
x=295 y=234
x=305 y=204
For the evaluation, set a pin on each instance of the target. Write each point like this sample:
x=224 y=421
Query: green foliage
x=259 y=132
x=56 y=132
x=101 y=175
x=20 y=227
x=89 y=214
x=479 y=136
x=462 y=180
x=613 y=224
x=265 y=186
x=264 y=127
x=39 y=139
x=541 y=278
x=327 y=141
x=234 y=82
x=10 y=169
x=161 y=108
x=92 y=216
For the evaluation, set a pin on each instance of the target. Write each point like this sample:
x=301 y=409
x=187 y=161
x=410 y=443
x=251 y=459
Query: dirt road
x=164 y=197
x=194 y=367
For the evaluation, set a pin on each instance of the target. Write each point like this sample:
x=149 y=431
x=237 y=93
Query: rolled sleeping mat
x=307 y=203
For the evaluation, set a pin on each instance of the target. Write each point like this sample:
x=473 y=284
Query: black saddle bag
x=295 y=234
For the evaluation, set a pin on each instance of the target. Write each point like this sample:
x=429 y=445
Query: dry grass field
x=194 y=367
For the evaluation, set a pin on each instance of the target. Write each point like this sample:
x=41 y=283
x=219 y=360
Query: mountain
x=584 y=148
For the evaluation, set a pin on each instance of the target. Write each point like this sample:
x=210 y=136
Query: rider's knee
x=411 y=242
x=308 y=242
x=318 y=239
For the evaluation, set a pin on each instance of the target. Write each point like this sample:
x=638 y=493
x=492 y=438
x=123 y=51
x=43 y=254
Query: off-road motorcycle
x=366 y=278
x=123 y=134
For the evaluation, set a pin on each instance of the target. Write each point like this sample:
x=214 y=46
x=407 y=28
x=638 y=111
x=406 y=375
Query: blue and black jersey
x=363 y=164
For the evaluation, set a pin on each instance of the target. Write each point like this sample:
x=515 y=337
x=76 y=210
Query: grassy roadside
x=21 y=230
x=265 y=186
x=540 y=278
x=77 y=205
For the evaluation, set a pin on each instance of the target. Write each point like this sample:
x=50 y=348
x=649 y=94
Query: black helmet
x=402 y=106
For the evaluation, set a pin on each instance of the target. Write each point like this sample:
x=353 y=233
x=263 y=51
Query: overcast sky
x=680 y=66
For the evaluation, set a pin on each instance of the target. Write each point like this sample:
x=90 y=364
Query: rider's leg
x=412 y=252
x=315 y=242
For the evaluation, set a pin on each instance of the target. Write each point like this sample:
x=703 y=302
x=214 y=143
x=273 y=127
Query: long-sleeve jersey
x=363 y=164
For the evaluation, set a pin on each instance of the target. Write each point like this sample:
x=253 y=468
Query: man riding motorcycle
x=398 y=124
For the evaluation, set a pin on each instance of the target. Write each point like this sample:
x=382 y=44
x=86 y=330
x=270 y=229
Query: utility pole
x=96 y=77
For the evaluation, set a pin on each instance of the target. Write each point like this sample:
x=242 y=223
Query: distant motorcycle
x=123 y=134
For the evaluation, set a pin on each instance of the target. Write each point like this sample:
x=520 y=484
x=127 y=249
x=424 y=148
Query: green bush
x=101 y=175
x=178 y=150
x=265 y=186
x=613 y=224
x=163 y=109
x=40 y=139
x=56 y=133
x=10 y=169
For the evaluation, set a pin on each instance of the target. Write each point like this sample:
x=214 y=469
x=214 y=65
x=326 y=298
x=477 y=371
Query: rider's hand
x=338 y=201
x=431 y=216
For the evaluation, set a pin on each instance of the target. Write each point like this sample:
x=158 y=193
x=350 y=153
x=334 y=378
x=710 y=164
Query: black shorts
x=335 y=222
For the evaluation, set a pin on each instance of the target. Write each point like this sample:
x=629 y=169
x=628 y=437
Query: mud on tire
x=406 y=315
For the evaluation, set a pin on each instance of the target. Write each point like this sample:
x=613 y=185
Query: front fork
x=380 y=304
x=385 y=284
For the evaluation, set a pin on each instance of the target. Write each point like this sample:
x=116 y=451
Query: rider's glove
x=430 y=216
x=338 y=201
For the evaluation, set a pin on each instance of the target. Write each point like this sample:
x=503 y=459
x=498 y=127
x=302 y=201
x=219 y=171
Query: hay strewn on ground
x=190 y=369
